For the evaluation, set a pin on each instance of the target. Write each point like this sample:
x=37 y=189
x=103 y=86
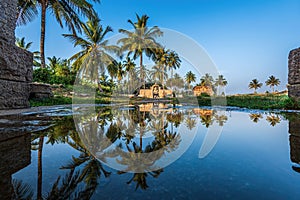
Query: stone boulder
x=294 y=73
x=40 y=91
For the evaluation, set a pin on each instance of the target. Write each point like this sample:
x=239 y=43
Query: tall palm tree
x=140 y=40
x=174 y=62
x=272 y=81
x=161 y=58
x=220 y=81
x=66 y=12
x=255 y=84
x=207 y=80
x=129 y=68
x=53 y=62
x=94 y=56
x=189 y=78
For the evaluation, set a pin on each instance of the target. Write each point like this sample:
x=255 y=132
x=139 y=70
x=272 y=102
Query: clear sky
x=246 y=39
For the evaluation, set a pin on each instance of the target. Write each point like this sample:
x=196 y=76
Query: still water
x=195 y=153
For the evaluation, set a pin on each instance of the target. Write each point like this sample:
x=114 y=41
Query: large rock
x=294 y=73
x=8 y=13
x=15 y=155
x=15 y=63
x=40 y=91
x=14 y=94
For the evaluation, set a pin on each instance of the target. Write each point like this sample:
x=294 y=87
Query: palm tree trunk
x=141 y=70
x=40 y=168
x=162 y=81
x=190 y=88
x=43 y=30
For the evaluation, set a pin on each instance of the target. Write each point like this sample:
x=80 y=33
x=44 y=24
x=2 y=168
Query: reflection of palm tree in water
x=273 y=120
x=255 y=117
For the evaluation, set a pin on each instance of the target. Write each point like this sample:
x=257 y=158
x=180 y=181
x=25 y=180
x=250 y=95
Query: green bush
x=45 y=75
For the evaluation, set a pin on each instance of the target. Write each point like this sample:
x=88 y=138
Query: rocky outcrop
x=15 y=63
x=15 y=155
x=40 y=91
x=294 y=73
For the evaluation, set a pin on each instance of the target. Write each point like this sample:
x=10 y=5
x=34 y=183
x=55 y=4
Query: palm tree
x=53 y=62
x=22 y=44
x=174 y=63
x=95 y=50
x=120 y=72
x=189 y=78
x=272 y=81
x=221 y=81
x=255 y=84
x=66 y=12
x=129 y=68
x=207 y=80
x=161 y=58
x=255 y=117
x=273 y=120
x=140 y=40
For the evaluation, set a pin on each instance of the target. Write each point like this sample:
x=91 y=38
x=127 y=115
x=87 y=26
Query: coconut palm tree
x=207 y=80
x=94 y=56
x=174 y=62
x=220 y=81
x=189 y=78
x=161 y=58
x=272 y=81
x=129 y=69
x=273 y=120
x=255 y=117
x=66 y=12
x=140 y=40
x=255 y=84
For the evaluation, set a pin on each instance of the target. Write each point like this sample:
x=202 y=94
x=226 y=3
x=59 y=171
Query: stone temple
x=294 y=73
x=15 y=63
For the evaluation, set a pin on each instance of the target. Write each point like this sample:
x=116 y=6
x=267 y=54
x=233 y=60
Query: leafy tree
x=220 y=81
x=255 y=84
x=272 y=81
x=66 y=12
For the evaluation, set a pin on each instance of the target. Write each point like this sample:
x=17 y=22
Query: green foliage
x=50 y=101
x=45 y=75
x=253 y=102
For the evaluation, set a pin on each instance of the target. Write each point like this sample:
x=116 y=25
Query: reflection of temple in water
x=15 y=155
x=154 y=108
x=294 y=130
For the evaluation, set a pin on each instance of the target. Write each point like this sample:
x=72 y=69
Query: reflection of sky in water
x=250 y=160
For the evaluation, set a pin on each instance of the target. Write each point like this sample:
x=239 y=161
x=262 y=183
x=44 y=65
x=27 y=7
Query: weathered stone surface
x=15 y=63
x=294 y=67
x=14 y=94
x=294 y=90
x=8 y=13
x=294 y=127
x=15 y=155
x=294 y=73
x=40 y=91
x=295 y=149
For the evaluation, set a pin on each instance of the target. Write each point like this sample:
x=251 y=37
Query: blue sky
x=245 y=39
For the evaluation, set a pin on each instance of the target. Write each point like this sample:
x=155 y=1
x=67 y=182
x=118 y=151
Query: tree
x=255 y=117
x=220 y=81
x=129 y=68
x=273 y=81
x=139 y=41
x=161 y=58
x=189 y=78
x=255 y=84
x=174 y=63
x=94 y=56
x=207 y=80
x=66 y=12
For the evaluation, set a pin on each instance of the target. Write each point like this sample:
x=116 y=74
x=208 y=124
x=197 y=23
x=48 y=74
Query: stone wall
x=15 y=155
x=15 y=63
x=294 y=73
